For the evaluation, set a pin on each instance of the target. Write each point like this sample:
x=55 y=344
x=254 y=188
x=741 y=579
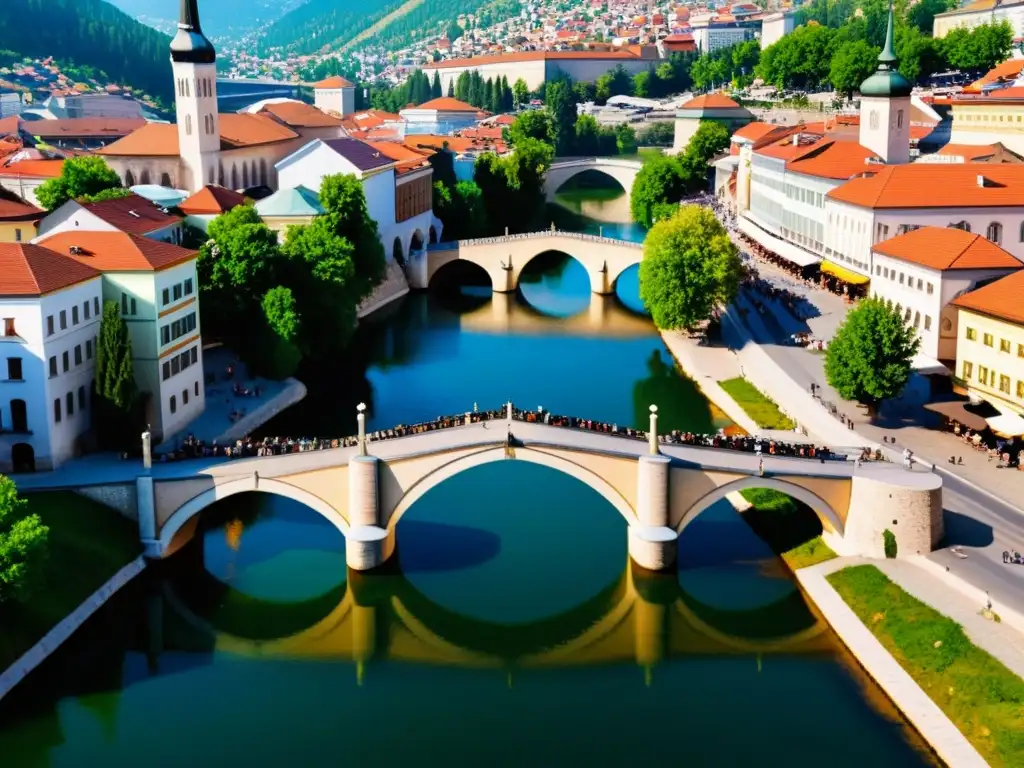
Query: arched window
x=220 y=174
x=995 y=232
x=209 y=176
x=234 y=177
x=961 y=225
x=245 y=176
x=1022 y=231
x=873 y=119
x=144 y=177
x=165 y=180
x=263 y=171
x=187 y=94
x=129 y=179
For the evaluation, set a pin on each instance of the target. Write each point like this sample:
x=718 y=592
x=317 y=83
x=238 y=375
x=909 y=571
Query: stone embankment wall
x=394 y=286
x=52 y=640
x=293 y=392
x=118 y=496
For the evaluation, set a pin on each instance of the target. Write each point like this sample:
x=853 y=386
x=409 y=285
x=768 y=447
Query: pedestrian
x=760 y=467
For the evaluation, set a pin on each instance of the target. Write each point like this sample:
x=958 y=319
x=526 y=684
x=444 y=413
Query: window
x=927 y=322
x=56 y=410
x=1020 y=390
x=917 y=319
x=175 y=365
x=124 y=303
x=17 y=235
x=195 y=355
x=14 y=368
x=165 y=335
x=63 y=319
x=906 y=316
x=81 y=398
x=188 y=287
x=901 y=278
x=878 y=270
x=78 y=354
x=899 y=118
x=1004 y=345
x=961 y=225
x=166 y=369
x=982 y=374
x=71 y=404
x=184 y=395
x=132 y=306
x=166 y=296
x=920 y=284
x=74 y=315
x=96 y=305
x=177 y=291
x=987 y=339
x=19 y=416
x=65 y=359
x=1004 y=384
x=196 y=388
x=86 y=309
x=53 y=366
x=174 y=404
x=88 y=349
x=931 y=289
x=49 y=325
x=972 y=335
x=1020 y=350
x=994 y=232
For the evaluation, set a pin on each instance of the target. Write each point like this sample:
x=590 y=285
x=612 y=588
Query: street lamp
x=361 y=420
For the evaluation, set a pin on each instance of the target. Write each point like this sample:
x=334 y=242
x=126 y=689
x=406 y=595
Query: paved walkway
x=930 y=721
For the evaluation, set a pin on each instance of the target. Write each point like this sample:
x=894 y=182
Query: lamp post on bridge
x=652 y=432
x=361 y=421
x=147 y=449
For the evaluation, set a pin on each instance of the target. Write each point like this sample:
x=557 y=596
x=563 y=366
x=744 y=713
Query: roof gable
x=117 y=251
x=30 y=270
x=211 y=199
x=132 y=214
x=936 y=185
x=947 y=248
x=999 y=299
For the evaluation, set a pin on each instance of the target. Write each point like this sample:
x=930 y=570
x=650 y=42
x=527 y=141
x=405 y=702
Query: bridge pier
x=652 y=543
x=366 y=544
x=599 y=282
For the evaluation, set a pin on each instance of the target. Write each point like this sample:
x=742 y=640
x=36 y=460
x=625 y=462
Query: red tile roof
x=31 y=270
x=936 y=185
x=15 y=210
x=133 y=214
x=711 y=101
x=236 y=131
x=211 y=200
x=832 y=158
x=118 y=251
x=337 y=81
x=947 y=248
x=1000 y=299
x=756 y=131
x=83 y=127
x=969 y=152
x=448 y=104
x=297 y=114
x=36 y=169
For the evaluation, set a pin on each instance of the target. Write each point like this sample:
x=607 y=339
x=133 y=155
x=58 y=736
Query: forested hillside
x=90 y=33
x=220 y=18
x=431 y=14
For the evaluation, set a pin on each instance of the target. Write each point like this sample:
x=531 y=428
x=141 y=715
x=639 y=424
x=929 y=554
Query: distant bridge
x=504 y=258
x=604 y=316
x=622 y=170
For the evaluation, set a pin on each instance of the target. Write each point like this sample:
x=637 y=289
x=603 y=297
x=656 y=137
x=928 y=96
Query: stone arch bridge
x=658 y=489
x=562 y=169
x=503 y=258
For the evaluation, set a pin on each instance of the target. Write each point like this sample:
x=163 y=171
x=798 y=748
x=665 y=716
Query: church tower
x=193 y=62
x=885 y=107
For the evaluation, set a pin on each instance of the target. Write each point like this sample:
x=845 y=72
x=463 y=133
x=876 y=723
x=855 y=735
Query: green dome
x=886 y=83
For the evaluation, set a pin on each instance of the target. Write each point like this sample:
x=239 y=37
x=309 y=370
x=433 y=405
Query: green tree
x=660 y=180
x=918 y=53
x=690 y=265
x=462 y=87
x=869 y=360
x=451 y=88
x=435 y=86
x=520 y=93
x=642 y=82
x=561 y=106
x=512 y=186
x=116 y=394
x=236 y=266
x=980 y=48
x=625 y=139
x=79 y=176
x=343 y=198
x=614 y=82
x=282 y=312
x=23 y=546
x=851 y=65
x=114 y=193
x=922 y=14
x=588 y=134
x=709 y=140
x=453 y=31
x=278 y=355
x=659 y=134
x=534 y=124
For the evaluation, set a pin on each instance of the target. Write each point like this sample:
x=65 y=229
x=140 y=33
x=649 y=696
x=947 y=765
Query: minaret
x=193 y=62
x=885 y=106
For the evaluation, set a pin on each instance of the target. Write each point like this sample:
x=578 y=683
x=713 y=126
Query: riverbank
x=89 y=544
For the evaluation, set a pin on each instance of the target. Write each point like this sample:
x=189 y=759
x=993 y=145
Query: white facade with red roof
x=335 y=94
x=132 y=214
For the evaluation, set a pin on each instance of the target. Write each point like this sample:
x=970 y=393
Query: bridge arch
x=531 y=455
x=198 y=503
x=621 y=170
x=830 y=519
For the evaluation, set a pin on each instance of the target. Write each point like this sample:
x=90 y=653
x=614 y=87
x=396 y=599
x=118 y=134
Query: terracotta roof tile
x=969 y=152
x=711 y=101
x=40 y=169
x=947 y=248
x=236 y=131
x=337 y=81
x=791 y=147
x=31 y=270
x=448 y=104
x=833 y=159
x=999 y=299
x=83 y=126
x=211 y=200
x=755 y=131
x=936 y=185
x=118 y=251
x=297 y=114
x=133 y=214
x=14 y=210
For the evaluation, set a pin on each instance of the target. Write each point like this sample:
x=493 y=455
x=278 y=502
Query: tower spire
x=888 y=55
x=190 y=44
x=188 y=16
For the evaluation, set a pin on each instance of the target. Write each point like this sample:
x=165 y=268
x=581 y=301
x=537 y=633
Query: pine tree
x=463 y=87
x=435 y=87
x=451 y=88
x=506 y=95
x=488 y=97
x=116 y=393
x=476 y=89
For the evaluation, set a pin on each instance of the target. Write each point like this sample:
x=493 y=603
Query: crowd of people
x=247 y=447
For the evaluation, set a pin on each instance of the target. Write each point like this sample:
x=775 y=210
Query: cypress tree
x=451 y=88
x=463 y=87
x=115 y=388
x=488 y=96
x=435 y=87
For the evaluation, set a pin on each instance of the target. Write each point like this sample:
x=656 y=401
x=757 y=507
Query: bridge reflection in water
x=605 y=316
x=641 y=617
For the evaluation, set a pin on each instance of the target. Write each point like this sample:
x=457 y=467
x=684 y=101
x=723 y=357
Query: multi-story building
x=132 y=214
x=155 y=285
x=990 y=346
x=50 y=308
x=776 y=26
x=981 y=12
x=922 y=271
x=714 y=36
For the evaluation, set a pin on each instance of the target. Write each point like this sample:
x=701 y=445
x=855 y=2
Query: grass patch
x=789 y=527
x=89 y=543
x=759 y=407
x=982 y=697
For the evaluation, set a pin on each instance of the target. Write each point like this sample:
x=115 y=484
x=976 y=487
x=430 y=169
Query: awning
x=844 y=274
x=1007 y=425
x=775 y=244
x=955 y=410
x=926 y=365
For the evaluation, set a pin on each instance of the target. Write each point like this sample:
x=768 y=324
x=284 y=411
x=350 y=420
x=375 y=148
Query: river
x=510 y=631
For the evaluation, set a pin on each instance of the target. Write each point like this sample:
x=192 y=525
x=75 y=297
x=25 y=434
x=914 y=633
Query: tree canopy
x=660 y=181
x=23 y=546
x=869 y=360
x=86 y=177
x=690 y=265
x=116 y=397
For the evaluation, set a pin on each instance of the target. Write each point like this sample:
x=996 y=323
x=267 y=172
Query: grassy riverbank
x=761 y=408
x=788 y=526
x=982 y=697
x=89 y=543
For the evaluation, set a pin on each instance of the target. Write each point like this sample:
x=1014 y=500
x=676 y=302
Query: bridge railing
x=276 y=446
x=534 y=236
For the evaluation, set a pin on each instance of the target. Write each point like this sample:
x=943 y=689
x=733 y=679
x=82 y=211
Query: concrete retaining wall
x=120 y=497
x=52 y=640
x=293 y=392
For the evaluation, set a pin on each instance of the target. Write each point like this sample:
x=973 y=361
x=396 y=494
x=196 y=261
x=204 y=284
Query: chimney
x=981 y=180
x=796 y=139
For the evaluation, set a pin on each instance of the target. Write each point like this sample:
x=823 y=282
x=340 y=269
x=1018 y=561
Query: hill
x=220 y=18
x=91 y=33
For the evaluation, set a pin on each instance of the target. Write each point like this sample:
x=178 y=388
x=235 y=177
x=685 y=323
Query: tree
x=535 y=124
x=23 y=546
x=625 y=139
x=435 y=86
x=451 y=88
x=851 y=66
x=279 y=354
x=79 y=176
x=660 y=180
x=642 y=84
x=869 y=360
x=520 y=93
x=114 y=193
x=116 y=395
x=690 y=265
x=282 y=312
x=588 y=134
x=709 y=140
x=561 y=106
x=512 y=186
x=343 y=198
x=922 y=14
x=614 y=82
x=453 y=31
x=236 y=265
x=659 y=134
x=462 y=86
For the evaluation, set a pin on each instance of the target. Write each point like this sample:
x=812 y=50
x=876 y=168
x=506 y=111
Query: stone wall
x=120 y=497
x=913 y=512
x=394 y=286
